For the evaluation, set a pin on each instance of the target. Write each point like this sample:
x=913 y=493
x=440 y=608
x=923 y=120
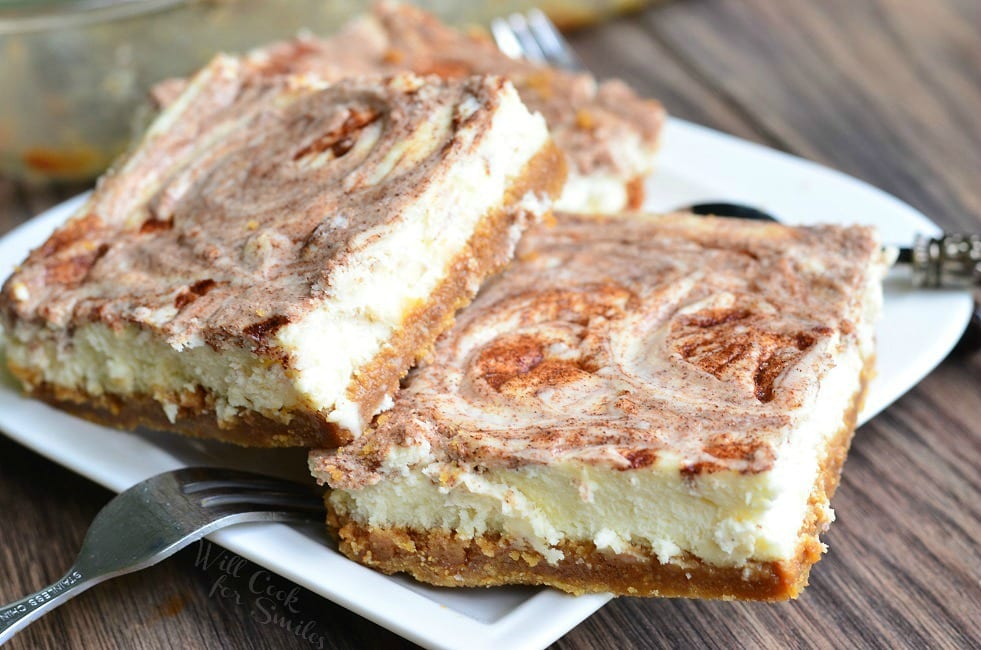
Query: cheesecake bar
x=608 y=134
x=653 y=406
x=277 y=252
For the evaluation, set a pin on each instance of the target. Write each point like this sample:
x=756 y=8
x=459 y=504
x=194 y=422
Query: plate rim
x=431 y=624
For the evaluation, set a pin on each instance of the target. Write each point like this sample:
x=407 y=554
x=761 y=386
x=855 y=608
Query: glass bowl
x=75 y=73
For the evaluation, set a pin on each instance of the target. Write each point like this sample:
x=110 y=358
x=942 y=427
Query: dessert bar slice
x=276 y=252
x=608 y=134
x=636 y=405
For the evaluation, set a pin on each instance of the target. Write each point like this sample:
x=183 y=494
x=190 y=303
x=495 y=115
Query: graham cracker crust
x=635 y=193
x=441 y=558
x=487 y=251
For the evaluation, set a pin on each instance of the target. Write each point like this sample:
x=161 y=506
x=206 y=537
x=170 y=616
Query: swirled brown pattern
x=603 y=128
x=229 y=220
x=616 y=340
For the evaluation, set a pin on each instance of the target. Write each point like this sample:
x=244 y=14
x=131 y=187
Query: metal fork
x=156 y=518
x=534 y=37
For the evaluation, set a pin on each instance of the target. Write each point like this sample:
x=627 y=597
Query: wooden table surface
x=885 y=90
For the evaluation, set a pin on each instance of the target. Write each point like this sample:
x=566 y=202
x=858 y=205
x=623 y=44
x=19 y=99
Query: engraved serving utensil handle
x=18 y=615
x=951 y=260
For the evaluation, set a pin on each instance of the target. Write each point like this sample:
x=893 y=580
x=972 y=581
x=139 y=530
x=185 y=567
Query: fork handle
x=18 y=615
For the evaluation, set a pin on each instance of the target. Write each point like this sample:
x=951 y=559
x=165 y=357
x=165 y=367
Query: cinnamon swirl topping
x=619 y=340
x=255 y=198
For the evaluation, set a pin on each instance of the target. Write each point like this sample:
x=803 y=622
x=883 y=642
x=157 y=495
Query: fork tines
x=213 y=487
x=534 y=37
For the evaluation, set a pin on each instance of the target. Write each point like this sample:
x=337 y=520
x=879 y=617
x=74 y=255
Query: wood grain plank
x=624 y=49
x=838 y=82
x=20 y=202
x=10 y=215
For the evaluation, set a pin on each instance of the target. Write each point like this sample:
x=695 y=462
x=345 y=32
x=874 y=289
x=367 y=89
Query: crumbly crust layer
x=442 y=558
x=488 y=250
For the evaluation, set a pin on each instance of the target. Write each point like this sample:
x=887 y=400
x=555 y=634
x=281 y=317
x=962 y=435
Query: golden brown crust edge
x=485 y=254
x=440 y=558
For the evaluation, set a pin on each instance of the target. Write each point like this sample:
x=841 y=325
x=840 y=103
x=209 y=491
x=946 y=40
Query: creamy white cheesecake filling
x=606 y=192
x=369 y=298
x=132 y=361
x=724 y=518
x=593 y=194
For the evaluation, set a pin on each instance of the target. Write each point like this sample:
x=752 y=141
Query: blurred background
x=75 y=73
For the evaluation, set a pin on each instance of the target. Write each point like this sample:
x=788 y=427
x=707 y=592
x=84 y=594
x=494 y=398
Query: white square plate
x=917 y=330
